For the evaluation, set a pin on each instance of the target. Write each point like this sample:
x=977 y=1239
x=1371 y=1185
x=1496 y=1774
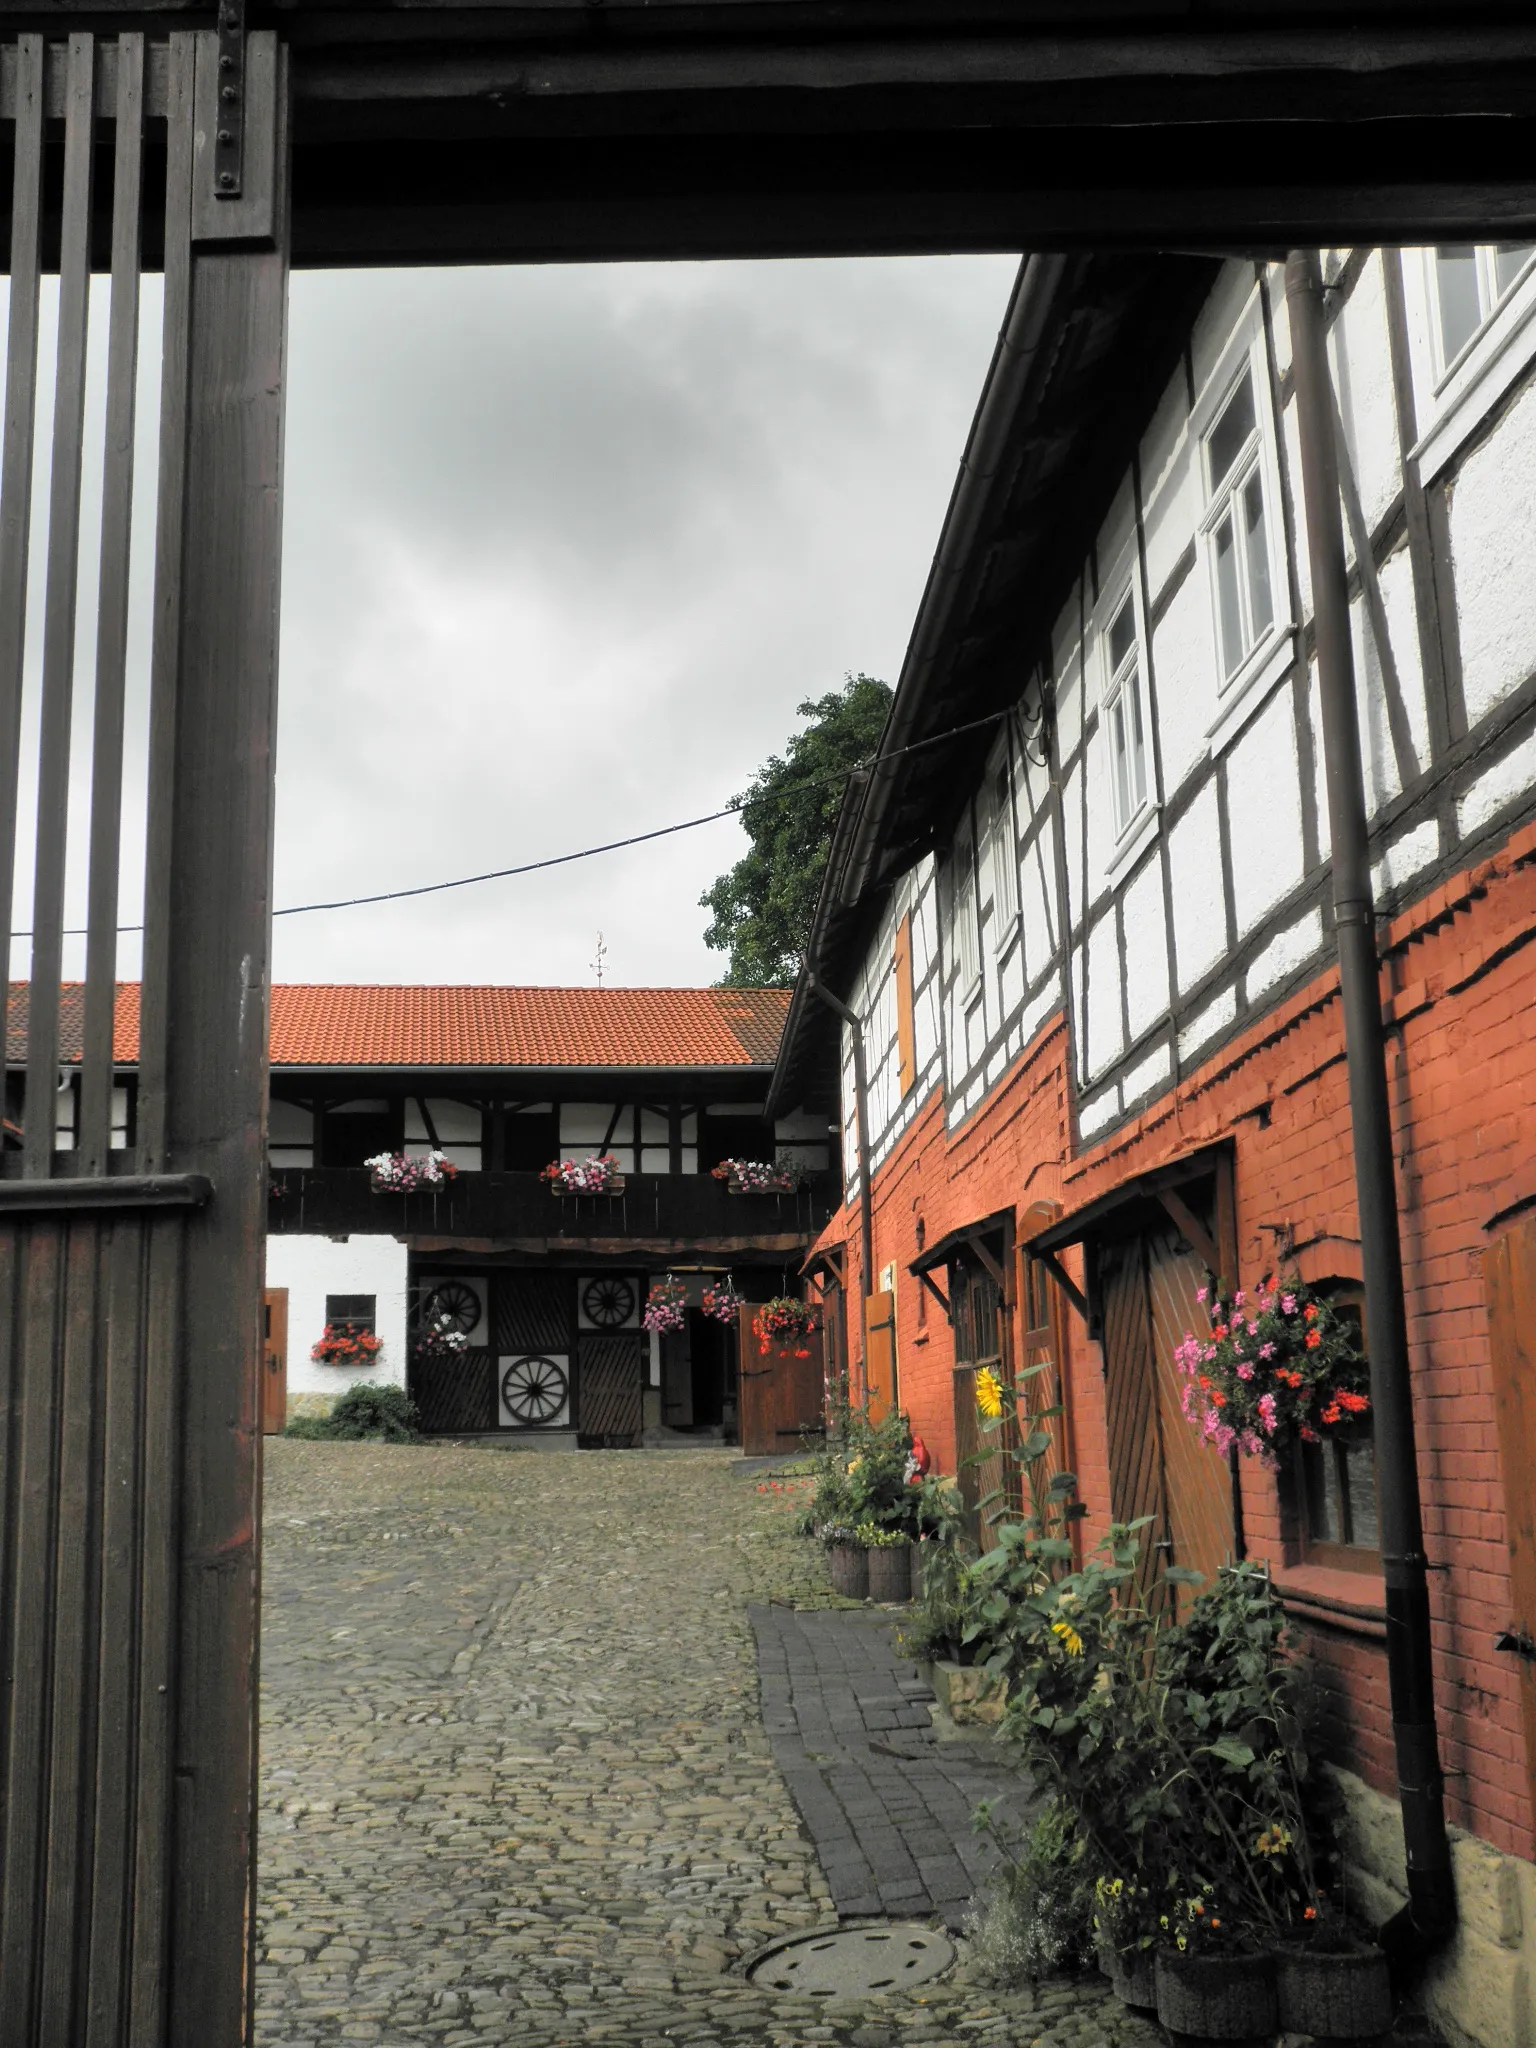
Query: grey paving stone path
x=889 y=1806
x=516 y=1787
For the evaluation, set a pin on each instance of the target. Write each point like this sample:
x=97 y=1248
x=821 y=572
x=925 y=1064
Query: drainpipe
x=1430 y=1914
x=861 y=1133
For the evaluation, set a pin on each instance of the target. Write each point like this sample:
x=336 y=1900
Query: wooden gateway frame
x=152 y=134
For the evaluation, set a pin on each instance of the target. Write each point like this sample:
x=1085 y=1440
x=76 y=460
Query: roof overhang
x=1108 y=1214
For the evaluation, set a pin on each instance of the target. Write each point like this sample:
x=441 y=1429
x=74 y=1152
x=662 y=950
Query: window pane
x=1230 y=434
x=1261 y=610
x=1117 y=747
x=1456 y=282
x=1360 y=1479
x=1138 y=745
x=1122 y=635
x=1321 y=1481
x=1228 y=609
x=360 y=1310
x=1509 y=259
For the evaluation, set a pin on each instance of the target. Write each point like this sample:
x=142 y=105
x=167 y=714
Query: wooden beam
x=1189 y=1226
x=1064 y=1281
x=927 y=1280
x=978 y=1246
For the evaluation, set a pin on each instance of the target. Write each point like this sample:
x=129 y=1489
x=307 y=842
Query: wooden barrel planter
x=1216 y=1998
x=890 y=1572
x=1132 y=1977
x=849 y=1566
x=1341 y=1994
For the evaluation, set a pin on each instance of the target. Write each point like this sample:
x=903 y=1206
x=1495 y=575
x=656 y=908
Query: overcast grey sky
x=563 y=550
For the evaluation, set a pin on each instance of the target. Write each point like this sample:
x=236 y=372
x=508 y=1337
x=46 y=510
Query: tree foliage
x=762 y=908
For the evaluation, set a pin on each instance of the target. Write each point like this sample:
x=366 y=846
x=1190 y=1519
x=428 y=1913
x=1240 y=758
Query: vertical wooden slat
x=1510 y=1278
x=95 y=1134
x=1136 y=1478
x=29 y=1644
x=165 y=652
x=121 y=1512
x=1198 y=1480
x=59 y=607
x=16 y=460
x=75 y=1582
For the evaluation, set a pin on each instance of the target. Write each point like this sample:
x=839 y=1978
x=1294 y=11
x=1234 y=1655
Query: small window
x=1340 y=1524
x=358 y=1310
x=1003 y=859
x=967 y=934
x=1470 y=281
x=1237 y=528
x=1124 y=723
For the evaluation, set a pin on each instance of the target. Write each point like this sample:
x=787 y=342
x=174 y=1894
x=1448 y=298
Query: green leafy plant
x=366 y=1413
x=863 y=1479
x=1035 y=1918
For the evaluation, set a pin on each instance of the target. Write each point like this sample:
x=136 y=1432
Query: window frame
x=1258 y=457
x=1491 y=300
x=1112 y=679
x=1002 y=851
x=1329 y=1552
x=1454 y=398
x=965 y=911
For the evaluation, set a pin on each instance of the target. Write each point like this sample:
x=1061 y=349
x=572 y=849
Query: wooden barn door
x=977 y=1312
x=610 y=1377
x=1131 y=1409
x=131 y=1281
x=880 y=1353
x=781 y=1393
x=274 y=1361
x=1197 y=1478
x=1510 y=1277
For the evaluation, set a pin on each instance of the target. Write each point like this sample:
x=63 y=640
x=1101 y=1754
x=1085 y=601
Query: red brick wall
x=1460 y=989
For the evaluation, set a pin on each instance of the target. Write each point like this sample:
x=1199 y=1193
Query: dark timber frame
x=426 y=132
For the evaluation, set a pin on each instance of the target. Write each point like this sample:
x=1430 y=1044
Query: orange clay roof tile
x=359 y=1025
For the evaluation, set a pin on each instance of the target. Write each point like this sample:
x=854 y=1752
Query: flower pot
x=1338 y=1995
x=1133 y=1976
x=849 y=1563
x=890 y=1572
x=1216 y=1998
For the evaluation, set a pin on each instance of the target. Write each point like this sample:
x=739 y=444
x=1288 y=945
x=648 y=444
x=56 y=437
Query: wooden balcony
x=667 y=1213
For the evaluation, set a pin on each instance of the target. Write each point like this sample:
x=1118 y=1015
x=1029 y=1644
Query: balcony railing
x=681 y=1208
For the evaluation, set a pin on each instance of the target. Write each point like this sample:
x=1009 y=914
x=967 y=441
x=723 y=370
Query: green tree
x=762 y=908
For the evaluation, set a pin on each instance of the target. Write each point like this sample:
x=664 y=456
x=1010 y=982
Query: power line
x=556 y=860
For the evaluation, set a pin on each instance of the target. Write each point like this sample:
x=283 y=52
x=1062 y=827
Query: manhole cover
x=855 y=1960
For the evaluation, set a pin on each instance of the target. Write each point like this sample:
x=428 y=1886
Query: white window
x=1237 y=526
x=1468 y=282
x=1003 y=860
x=1124 y=720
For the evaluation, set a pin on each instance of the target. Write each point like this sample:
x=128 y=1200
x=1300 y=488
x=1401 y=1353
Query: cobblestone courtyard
x=516 y=1786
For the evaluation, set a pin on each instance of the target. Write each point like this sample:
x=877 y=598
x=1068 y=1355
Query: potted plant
x=847 y=1560
x=759 y=1176
x=1125 y=1921
x=348 y=1344
x=400 y=1173
x=666 y=1306
x=888 y=1558
x=1213 y=1982
x=1330 y=1983
x=721 y=1303
x=439 y=1340
x=785 y=1321
x=1276 y=1365
x=598 y=1175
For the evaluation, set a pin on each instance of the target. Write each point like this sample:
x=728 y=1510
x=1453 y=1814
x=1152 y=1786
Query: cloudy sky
x=563 y=550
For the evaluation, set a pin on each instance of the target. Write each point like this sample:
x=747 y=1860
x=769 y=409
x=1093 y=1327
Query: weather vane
x=598 y=959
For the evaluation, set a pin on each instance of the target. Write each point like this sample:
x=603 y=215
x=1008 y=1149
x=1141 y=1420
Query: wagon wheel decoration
x=608 y=1303
x=533 y=1389
x=453 y=1306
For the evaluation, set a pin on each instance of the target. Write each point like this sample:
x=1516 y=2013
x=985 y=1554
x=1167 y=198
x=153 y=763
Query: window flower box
x=596 y=1176
x=397 y=1173
x=758 y=1177
x=346 y=1344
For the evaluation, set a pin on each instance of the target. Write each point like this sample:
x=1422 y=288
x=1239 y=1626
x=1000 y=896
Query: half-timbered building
x=542 y=1293
x=1082 y=909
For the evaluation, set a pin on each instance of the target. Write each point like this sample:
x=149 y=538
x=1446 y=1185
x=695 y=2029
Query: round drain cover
x=855 y=1960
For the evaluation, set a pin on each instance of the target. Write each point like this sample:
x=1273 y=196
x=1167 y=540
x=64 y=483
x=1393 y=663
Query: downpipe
x=1430 y=1915
x=851 y=1018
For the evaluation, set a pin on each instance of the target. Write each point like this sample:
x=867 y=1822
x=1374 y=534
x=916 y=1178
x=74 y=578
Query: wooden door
x=880 y=1353
x=1042 y=1371
x=610 y=1387
x=1131 y=1410
x=1197 y=1478
x=130 y=1369
x=977 y=1313
x=782 y=1394
x=274 y=1361
x=1510 y=1277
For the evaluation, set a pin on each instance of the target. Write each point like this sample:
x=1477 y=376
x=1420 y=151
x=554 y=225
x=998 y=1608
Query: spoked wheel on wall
x=452 y=1306
x=608 y=1302
x=533 y=1390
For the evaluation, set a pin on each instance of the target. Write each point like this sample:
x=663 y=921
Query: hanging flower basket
x=666 y=1306
x=599 y=1175
x=721 y=1304
x=1275 y=1365
x=758 y=1176
x=439 y=1343
x=346 y=1344
x=396 y=1173
x=785 y=1321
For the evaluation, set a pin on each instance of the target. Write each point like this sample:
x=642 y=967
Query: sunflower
x=989 y=1393
x=1070 y=1640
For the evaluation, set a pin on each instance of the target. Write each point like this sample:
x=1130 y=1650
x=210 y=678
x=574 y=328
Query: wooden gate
x=611 y=1377
x=274 y=1359
x=978 y=1313
x=782 y=1393
x=1510 y=1274
x=130 y=1282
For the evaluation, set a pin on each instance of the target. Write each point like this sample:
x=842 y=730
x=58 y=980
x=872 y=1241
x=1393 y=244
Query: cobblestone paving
x=516 y=1787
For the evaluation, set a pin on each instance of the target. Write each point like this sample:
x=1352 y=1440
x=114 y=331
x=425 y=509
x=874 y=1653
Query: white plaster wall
x=1377 y=753
x=1106 y=1039
x=1362 y=376
x=1264 y=812
x=1146 y=948
x=1493 y=547
x=1218 y=317
x=313 y=1267
x=1199 y=914
x=1184 y=666
x=1101 y=813
x=1037 y=895
x=1072 y=826
x=1164 y=469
